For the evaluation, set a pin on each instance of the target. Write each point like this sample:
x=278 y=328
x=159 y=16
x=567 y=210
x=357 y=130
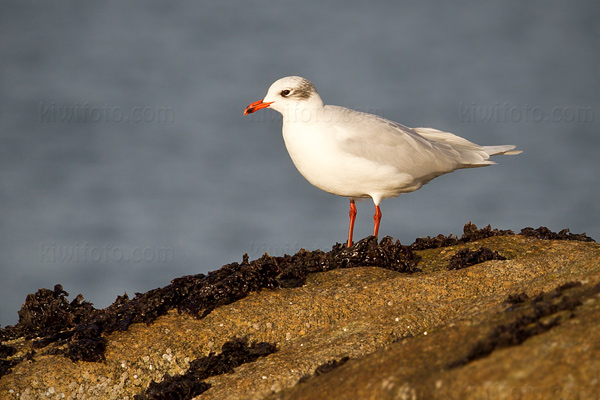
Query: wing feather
x=421 y=152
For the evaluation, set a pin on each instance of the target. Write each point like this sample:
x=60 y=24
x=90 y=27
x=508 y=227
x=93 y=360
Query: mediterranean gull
x=357 y=155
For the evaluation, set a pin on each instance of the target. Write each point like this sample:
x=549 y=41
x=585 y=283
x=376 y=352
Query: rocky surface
x=515 y=316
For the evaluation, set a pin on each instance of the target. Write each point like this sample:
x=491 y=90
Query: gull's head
x=288 y=94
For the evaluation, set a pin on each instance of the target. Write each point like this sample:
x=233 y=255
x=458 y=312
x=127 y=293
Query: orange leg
x=377 y=218
x=352 y=214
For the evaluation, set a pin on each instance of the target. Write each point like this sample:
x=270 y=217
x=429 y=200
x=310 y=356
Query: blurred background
x=125 y=160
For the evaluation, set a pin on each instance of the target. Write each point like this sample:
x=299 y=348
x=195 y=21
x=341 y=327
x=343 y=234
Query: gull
x=359 y=155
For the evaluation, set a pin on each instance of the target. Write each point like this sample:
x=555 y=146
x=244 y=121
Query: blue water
x=125 y=160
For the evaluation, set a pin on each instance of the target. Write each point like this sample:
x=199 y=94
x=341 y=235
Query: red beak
x=257 y=105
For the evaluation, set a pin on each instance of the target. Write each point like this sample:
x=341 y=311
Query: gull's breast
x=316 y=152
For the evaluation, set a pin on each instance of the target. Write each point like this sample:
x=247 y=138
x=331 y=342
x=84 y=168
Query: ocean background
x=125 y=160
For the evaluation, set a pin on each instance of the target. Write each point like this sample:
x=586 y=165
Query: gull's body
x=357 y=155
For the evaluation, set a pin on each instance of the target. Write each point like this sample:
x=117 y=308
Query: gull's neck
x=305 y=111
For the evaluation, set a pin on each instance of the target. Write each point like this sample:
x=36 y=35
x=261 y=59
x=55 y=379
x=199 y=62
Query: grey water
x=125 y=160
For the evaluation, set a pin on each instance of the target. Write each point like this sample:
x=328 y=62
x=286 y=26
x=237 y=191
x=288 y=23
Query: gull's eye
x=286 y=92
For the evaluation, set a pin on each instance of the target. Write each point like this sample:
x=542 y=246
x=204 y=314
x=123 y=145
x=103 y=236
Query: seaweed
x=234 y=353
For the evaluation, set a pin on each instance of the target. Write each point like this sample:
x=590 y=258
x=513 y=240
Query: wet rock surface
x=49 y=317
x=366 y=327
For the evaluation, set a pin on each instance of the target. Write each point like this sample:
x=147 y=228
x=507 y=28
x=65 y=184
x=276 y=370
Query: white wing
x=423 y=153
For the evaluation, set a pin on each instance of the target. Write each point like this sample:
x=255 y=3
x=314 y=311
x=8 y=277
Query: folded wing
x=423 y=153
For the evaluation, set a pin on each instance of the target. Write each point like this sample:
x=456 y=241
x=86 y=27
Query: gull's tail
x=470 y=154
x=507 y=150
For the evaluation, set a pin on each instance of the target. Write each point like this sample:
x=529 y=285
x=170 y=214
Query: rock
x=524 y=327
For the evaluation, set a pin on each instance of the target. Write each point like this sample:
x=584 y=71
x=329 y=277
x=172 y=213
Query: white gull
x=357 y=155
